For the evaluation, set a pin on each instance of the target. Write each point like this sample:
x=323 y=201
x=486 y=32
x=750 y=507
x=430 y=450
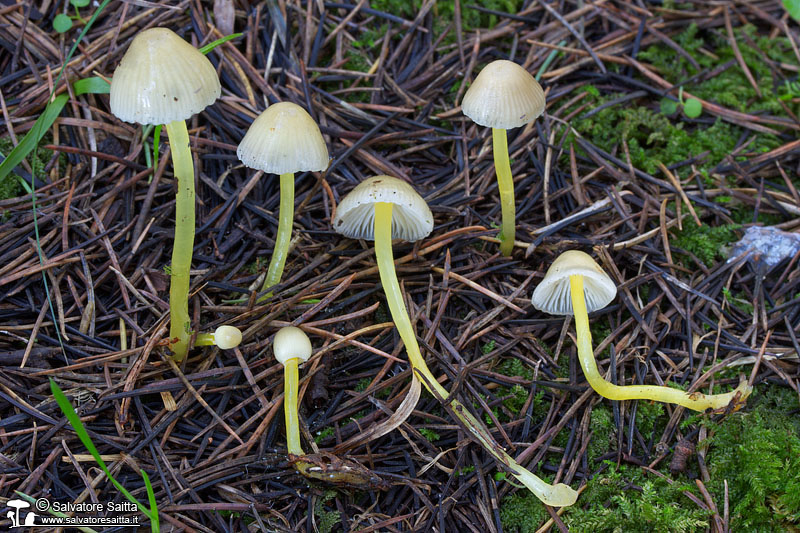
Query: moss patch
x=758 y=453
x=705 y=242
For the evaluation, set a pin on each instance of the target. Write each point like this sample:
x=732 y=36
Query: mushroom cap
x=504 y=95
x=553 y=294
x=227 y=337
x=284 y=138
x=412 y=219
x=161 y=79
x=291 y=343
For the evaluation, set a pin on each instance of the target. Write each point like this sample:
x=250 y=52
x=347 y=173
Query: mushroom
x=503 y=96
x=291 y=347
x=380 y=209
x=162 y=79
x=224 y=337
x=576 y=285
x=284 y=139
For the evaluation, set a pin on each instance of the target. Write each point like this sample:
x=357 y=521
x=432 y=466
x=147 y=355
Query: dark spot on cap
x=175 y=98
x=339 y=223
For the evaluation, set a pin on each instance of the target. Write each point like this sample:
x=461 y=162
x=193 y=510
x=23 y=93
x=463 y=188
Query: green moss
x=326 y=520
x=653 y=137
x=603 y=431
x=10 y=185
x=429 y=434
x=323 y=434
x=514 y=368
x=488 y=347
x=522 y=512
x=627 y=499
x=758 y=453
x=705 y=242
x=362 y=384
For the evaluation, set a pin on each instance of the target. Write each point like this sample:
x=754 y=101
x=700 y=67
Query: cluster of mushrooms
x=164 y=80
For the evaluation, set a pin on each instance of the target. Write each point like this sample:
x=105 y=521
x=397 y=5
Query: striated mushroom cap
x=553 y=294
x=504 y=95
x=284 y=138
x=412 y=219
x=161 y=79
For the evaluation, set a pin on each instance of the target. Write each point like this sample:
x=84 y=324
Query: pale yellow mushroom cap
x=553 y=294
x=161 y=79
x=227 y=337
x=291 y=343
x=284 y=138
x=412 y=219
x=504 y=95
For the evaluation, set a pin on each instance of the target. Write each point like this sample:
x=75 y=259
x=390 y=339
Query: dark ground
x=383 y=81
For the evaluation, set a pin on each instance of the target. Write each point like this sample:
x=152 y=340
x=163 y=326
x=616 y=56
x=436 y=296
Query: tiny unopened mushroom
x=291 y=347
x=503 y=96
x=284 y=139
x=383 y=208
x=224 y=337
x=162 y=79
x=576 y=285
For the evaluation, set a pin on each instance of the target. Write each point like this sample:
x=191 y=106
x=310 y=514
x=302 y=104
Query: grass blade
x=80 y=430
x=210 y=46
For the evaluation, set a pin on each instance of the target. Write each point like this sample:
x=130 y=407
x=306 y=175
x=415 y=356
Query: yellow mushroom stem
x=205 y=339
x=290 y=388
x=505 y=185
x=180 y=324
x=695 y=400
x=559 y=495
x=285 y=220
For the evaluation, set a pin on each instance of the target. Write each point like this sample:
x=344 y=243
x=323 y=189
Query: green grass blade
x=156 y=141
x=210 y=46
x=151 y=497
x=93 y=85
x=32 y=138
x=75 y=421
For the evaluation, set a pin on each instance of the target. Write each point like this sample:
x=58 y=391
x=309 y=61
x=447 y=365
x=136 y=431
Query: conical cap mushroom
x=412 y=219
x=161 y=79
x=284 y=138
x=553 y=296
x=504 y=95
x=291 y=343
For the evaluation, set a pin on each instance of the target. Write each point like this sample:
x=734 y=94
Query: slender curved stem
x=505 y=185
x=694 y=400
x=180 y=324
x=290 y=388
x=285 y=220
x=559 y=495
x=205 y=339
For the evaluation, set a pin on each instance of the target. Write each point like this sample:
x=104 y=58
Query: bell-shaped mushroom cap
x=553 y=294
x=227 y=337
x=412 y=219
x=504 y=95
x=284 y=138
x=291 y=343
x=162 y=78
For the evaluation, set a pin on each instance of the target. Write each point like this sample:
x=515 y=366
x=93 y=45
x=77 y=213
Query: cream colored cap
x=553 y=294
x=227 y=337
x=162 y=78
x=284 y=138
x=291 y=343
x=412 y=219
x=504 y=95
